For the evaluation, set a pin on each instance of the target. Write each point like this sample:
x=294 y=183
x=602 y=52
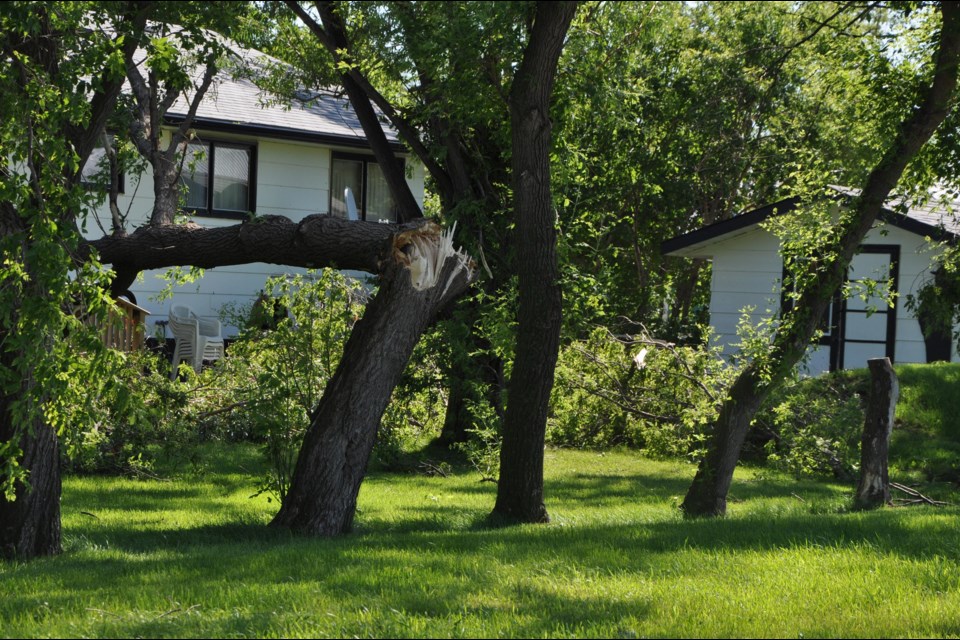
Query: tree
x=441 y=73
x=61 y=76
x=520 y=488
x=462 y=151
x=702 y=110
x=925 y=112
x=43 y=204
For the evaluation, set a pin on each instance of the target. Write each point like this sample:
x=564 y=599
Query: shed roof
x=923 y=220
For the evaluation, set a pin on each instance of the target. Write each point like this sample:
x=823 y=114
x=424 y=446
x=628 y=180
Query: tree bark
x=707 y=493
x=873 y=489
x=30 y=525
x=520 y=489
x=333 y=459
x=314 y=242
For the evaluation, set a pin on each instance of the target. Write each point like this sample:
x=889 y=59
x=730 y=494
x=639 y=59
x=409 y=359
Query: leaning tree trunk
x=708 y=492
x=873 y=489
x=419 y=279
x=520 y=488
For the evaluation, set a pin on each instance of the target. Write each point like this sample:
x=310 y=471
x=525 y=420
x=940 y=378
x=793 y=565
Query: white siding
x=293 y=180
x=746 y=274
x=747 y=270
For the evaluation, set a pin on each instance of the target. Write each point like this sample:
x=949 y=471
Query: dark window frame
x=208 y=211
x=365 y=160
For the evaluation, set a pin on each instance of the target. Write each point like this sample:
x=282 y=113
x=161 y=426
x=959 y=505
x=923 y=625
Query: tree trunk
x=520 y=489
x=333 y=459
x=474 y=378
x=707 y=493
x=873 y=489
x=30 y=525
x=314 y=242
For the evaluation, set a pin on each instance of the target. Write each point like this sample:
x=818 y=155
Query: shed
x=747 y=270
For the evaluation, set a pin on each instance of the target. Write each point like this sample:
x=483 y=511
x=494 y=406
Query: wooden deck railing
x=124 y=331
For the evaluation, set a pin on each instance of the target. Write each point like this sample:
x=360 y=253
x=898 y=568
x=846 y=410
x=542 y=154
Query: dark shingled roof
x=235 y=104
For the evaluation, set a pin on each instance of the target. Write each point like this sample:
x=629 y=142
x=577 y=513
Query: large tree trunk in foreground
x=520 y=489
x=30 y=525
x=707 y=495
x=873 y=489
x=333 y=459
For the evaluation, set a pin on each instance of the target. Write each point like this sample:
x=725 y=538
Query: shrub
x=635 y=391
x=280 y=364
x=813 y=426
x=126 y=417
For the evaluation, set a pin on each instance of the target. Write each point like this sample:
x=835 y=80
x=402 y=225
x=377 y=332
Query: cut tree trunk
x=333 y=459
x=873 y=489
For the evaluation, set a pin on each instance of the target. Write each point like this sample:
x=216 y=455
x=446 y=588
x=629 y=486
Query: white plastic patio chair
x=197 y=339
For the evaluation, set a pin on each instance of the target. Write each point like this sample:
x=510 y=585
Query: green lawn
x=193 y=557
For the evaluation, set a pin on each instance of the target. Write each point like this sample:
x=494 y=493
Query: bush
x=126 y=417
x=635 y=391
x=277 y=369
x=813 y=426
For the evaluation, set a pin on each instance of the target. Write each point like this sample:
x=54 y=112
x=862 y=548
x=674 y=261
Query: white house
x=747 y=269
x=266 y=159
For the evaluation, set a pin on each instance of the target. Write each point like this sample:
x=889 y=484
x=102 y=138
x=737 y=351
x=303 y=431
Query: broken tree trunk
x=422 y=273
x=316 y=241
x=873 y=489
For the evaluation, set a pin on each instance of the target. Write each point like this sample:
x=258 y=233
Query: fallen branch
x=918 y=498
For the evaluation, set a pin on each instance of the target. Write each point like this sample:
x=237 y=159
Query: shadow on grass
x=772 y=515
x=441 y=562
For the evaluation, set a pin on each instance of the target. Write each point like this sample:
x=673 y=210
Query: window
x=358 y=182
x=96 y=170
x=218 y=179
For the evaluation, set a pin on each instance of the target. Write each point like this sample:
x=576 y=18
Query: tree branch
x=314 y=242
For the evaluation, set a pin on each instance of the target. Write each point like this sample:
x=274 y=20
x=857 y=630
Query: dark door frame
x=838 y=323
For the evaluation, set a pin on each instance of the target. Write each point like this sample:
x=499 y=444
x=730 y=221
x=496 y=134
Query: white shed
x=747 y=269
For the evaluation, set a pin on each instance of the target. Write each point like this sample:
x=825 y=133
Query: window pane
x=195 y=176
x=346 y=174
x=380 y=207
x=97 y=168
x=231 y=179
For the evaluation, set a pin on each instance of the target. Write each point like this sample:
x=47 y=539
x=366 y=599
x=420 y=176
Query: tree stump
x=873 y=489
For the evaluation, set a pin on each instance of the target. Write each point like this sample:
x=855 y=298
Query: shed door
x=867 y=324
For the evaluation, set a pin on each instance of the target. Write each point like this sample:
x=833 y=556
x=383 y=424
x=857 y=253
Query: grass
x=192 y=557
x=927 y=437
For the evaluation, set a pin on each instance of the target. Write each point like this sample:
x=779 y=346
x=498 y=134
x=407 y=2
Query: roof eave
x=696 y=244
x=693 y=243
x=278 y=133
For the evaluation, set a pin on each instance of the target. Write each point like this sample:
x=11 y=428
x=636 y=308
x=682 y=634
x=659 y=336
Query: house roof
x=235 y=104
x=923 y=220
